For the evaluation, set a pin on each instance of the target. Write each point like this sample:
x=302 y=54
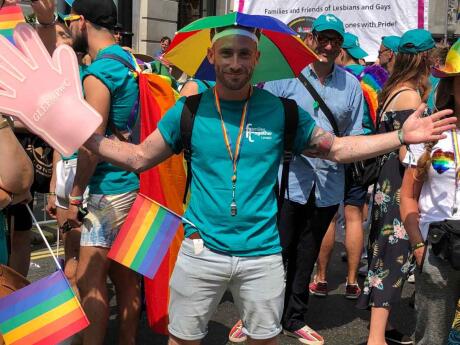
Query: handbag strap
x=322 y=104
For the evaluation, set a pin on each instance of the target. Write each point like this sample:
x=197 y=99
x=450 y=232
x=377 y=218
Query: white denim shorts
x=65 y=175
x=200 y=279
x=106 y=215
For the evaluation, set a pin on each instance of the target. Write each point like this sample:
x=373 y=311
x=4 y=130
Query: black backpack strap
x=291 y=120
x=187 y=120
x=321 y=104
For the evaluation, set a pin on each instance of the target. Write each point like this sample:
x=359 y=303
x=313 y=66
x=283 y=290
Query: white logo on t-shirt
x=262 y=133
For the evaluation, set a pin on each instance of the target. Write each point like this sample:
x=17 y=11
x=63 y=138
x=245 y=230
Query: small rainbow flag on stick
x=10 y=16
x=43 y=313
x=145 y=236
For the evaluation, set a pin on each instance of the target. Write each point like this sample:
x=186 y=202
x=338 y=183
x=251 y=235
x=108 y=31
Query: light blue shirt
x=343 y=95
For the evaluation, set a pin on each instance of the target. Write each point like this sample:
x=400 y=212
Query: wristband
x=76 y=202
x=78 y=197
x=4 y=123
x=401 y=137
x=53 y=22
x=51 y=194
x=418 y=245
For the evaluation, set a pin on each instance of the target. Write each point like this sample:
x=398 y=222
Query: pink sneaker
x=236 y=334
x=306 y=335
x=318 y=288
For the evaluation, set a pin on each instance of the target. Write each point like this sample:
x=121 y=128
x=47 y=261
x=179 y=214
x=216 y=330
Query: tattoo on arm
x=320 y=143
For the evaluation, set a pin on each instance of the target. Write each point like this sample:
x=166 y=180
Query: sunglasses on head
x=71 y=18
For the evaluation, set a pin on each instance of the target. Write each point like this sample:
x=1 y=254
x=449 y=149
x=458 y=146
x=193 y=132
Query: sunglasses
x=383 y=51
x=71 y=18
x=323 y=40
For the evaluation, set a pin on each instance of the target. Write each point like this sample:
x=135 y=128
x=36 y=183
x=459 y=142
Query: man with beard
x=112 y=90
x=235 y=243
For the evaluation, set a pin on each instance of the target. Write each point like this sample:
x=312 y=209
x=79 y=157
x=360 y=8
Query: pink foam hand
x=44 y=93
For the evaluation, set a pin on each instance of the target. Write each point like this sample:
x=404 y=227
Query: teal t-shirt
x=124 y=91
x=368 y=126
x=3 y=245
x=253 y=230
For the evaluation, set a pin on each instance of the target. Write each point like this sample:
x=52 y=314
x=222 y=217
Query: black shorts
x=355 y=194
x=19 y=218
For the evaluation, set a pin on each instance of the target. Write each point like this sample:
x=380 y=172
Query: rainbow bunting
x=10 y=16
x=145 y=236
x=43 y=313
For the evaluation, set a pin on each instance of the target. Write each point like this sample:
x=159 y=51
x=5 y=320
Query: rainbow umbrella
x=283 y=54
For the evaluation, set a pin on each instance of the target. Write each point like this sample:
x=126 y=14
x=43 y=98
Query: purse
x=444 y=237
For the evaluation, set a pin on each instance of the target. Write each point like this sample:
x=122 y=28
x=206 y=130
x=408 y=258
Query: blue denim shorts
x=200 y=279
x=106 y=215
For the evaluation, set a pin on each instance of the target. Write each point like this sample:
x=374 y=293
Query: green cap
x=391 y=42
x=351 y=45
x=328 y=22
x=416 y=41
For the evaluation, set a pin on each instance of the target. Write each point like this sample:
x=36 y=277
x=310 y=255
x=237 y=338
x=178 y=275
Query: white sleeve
x=413 y=154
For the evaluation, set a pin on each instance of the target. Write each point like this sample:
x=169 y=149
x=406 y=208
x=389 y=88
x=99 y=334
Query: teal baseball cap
x=351 y=45
x=416 y=41
x=391 y=42
x=328 y=22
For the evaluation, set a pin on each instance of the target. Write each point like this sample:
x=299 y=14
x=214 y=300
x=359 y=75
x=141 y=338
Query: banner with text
x=369 y=20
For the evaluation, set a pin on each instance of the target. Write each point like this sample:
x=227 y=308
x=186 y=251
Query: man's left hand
x=418 y=129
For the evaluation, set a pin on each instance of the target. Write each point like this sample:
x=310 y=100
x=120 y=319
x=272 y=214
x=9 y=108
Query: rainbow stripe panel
x=453 y=59
x=10 y=16
x=145 y=237
x=43 y=313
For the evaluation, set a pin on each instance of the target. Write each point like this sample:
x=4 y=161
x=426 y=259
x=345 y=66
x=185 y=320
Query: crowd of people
x=260 y=246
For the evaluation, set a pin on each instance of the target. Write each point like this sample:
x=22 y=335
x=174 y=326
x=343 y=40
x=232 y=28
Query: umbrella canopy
x=283 y=53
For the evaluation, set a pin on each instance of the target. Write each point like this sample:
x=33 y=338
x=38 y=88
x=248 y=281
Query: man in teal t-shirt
x=237 y=146
x=111 y=88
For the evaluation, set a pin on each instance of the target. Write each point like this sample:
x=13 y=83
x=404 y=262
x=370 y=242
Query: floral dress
x=388 y=247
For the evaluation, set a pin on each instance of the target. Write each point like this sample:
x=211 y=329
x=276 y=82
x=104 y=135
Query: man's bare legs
x=176 y=341
x=327 y=245
x=128 y=292
x=20 y=251
x=92 y=271
x=354 y=240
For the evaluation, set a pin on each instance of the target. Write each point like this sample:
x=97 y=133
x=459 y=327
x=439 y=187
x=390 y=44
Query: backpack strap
x=291 y=121
x=187 y=120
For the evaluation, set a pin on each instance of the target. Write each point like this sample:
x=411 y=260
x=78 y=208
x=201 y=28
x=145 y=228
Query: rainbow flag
x=10 y=16
x=145 y=236
x=43 y=313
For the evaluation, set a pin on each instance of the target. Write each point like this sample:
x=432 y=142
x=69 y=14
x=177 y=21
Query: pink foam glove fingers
x=12 y=58
x=46 y=95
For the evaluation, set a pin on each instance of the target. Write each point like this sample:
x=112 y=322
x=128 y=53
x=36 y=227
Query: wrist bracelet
x=401 y=136
x=76 y=202
x=418 y=245
x=77 y=198
x=4 y=123
x=51 y=193
x=53 y=22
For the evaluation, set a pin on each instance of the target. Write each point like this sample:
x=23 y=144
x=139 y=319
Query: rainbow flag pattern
x=145 y=236
x=10 y=16
x=43 y=313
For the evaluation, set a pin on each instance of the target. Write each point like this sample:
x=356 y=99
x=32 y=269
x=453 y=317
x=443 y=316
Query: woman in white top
x=430 y=193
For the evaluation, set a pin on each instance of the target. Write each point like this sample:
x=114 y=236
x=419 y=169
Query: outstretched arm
x=354 y=148
x=152 y=151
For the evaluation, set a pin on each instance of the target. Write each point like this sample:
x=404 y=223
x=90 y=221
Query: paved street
x=334 y=317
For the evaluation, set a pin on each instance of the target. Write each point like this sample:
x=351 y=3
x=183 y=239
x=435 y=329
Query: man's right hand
x=72 y=216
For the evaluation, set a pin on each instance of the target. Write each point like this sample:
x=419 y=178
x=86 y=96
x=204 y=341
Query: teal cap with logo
x=351 y=45
x=416 y=41
x=391 y=42
x=328 y=22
